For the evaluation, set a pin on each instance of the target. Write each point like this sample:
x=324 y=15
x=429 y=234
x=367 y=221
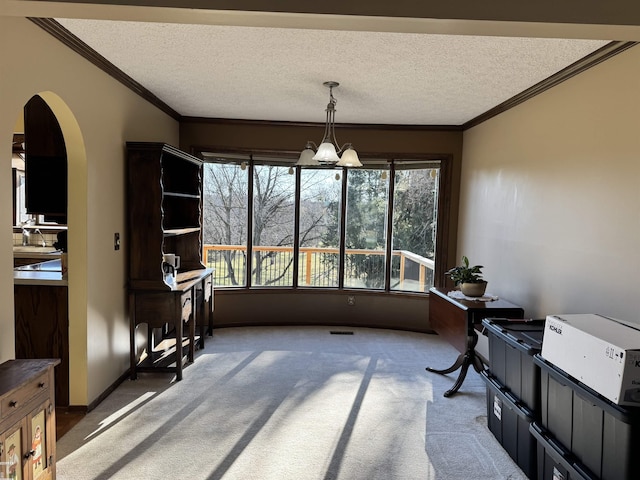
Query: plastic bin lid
x=507 y=397
x=525 y=335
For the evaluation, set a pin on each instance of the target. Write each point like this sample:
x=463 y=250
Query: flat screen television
x=46 y=185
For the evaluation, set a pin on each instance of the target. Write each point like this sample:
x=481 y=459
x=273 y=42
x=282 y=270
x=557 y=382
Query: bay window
x=268 y=223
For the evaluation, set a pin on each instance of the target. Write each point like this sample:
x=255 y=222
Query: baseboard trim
x=71 y=409
x=108 y=391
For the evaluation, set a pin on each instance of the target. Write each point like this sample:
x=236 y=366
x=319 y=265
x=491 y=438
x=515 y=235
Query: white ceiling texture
x=260 y=73
x=398 y=62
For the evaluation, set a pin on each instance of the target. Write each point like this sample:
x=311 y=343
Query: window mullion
x=296 y=227
x=250 y=224
x=389 y=242
x=442 y=231
x=343 y=229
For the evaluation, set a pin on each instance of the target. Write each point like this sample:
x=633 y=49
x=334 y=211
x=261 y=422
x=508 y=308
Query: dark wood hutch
x=164 y=209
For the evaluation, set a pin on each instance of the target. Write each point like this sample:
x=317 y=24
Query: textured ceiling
x=260 y=73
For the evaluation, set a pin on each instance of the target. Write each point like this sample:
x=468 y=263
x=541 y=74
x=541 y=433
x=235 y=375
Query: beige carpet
x=294 y=403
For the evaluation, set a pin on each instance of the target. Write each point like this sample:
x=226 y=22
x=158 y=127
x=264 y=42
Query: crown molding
x=600 y=55
x=52 y=27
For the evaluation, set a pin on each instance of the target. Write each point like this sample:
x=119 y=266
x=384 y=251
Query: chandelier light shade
x=328 y=151
x=349 y=158
x=306 y=157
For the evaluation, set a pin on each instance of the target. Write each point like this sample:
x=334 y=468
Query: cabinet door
x=12 y=452
x=36 y=338
x=40 y=442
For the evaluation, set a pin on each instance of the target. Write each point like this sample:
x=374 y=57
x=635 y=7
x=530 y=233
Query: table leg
x=202 y=313
x=209 y=311
x=192 y=338
x=209 y=306
x=463 y=362
x=192 y=327
x=132 y=337
x=179 y=332
x=456 y=365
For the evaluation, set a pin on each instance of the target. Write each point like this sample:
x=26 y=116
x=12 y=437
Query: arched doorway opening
x=76 y=221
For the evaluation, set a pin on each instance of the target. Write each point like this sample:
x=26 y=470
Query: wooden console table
x=189 y=301
x=456 y=321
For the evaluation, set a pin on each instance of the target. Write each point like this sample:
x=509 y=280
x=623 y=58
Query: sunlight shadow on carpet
x=293 y=403
x=121 y=413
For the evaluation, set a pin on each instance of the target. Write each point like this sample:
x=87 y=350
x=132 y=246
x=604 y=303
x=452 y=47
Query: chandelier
x=327 y=152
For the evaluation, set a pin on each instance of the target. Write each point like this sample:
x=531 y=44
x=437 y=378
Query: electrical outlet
x=351 y=300
x=116 y=241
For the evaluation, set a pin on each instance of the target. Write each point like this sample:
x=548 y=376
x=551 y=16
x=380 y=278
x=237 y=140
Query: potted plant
x=468 y=278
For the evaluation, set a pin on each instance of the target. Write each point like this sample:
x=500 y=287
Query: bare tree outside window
x=225 y=221
x=320 y=195
x=273 y=225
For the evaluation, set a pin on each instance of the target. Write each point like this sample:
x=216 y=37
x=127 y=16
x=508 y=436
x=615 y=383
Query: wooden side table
x=186 y=302
x=456 y=321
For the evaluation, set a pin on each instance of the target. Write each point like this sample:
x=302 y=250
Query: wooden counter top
x=186 y=280
x=39 y=255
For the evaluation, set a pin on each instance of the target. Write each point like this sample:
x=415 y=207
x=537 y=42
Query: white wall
x=98 y=115
x=550 y=200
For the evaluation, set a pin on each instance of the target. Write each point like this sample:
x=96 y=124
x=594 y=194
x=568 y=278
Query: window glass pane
x=273 y=226
x=319 y=227
x=225 y=192
x=414 y=228
x=365 y=241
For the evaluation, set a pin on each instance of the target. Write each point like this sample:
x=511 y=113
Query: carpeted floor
x=294 y=403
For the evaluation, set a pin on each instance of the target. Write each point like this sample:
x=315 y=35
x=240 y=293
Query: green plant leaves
x=466 y=274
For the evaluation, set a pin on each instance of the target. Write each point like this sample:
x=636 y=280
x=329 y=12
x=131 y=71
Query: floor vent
x=340 y=332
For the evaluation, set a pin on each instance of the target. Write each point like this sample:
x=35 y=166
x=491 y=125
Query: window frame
x=445 y=185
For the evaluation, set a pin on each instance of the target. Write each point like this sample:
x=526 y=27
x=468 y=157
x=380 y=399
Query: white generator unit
x=601 y=352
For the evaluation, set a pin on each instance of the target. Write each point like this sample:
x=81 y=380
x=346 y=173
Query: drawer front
x=155 y=309
x=186 y=302
x=35 y=390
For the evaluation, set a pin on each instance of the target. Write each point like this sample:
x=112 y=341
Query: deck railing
x=318 y=266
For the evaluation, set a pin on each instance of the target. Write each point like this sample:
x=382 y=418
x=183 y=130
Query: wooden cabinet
x=46 y=162
x=164 y=208
x=42 y=329
x=27 y=420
